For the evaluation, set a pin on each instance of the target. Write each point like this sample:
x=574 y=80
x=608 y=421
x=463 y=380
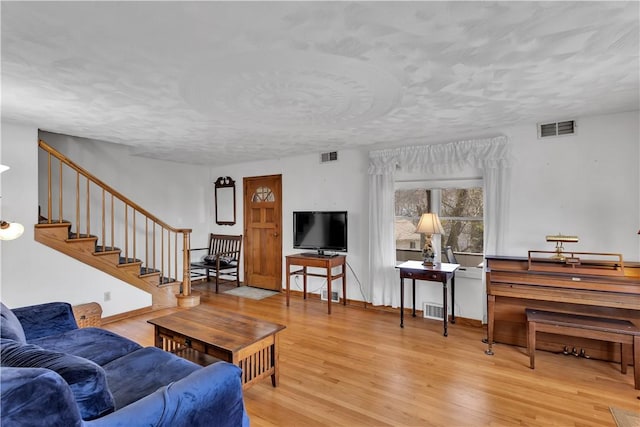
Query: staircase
x=128 y=242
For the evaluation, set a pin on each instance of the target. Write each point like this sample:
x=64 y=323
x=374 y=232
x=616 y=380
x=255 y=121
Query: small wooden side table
x=326 y=262
x=440 y=272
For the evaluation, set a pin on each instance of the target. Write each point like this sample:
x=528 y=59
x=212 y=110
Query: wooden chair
x=222 y=258
x=451 y=258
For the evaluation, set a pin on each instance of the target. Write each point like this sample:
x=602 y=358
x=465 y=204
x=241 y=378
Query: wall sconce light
x=9 y=230
x=429 y=224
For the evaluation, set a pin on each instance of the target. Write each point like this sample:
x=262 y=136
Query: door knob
x=275 y=234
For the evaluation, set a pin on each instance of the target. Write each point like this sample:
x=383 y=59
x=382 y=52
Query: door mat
x=625 y=418
x=250 y=292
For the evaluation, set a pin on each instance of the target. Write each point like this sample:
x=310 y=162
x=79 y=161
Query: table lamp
x=429 y=224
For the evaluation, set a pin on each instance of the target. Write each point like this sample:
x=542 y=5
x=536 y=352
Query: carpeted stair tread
x=147 y=270
x=53 y=222
x=81 y=236
x=123 y=260
x=106 y=249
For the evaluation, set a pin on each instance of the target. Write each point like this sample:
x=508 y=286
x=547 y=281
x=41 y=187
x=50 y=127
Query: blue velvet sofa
x=55 y=374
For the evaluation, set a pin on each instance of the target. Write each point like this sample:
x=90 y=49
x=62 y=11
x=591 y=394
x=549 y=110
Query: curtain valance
x=487 y=153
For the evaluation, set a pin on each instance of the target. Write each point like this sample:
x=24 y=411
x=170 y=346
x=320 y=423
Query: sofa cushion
x=210 y=396
x=34 y=397
x=46 y=319
x=95 y=344
x=142 y=372
x=10 y=326
x=87 y=380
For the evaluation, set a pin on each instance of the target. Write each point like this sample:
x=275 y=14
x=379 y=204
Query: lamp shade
x=429 y=224
x=10 y=230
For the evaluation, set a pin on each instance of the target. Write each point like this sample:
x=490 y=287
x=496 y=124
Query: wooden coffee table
x=204 y=337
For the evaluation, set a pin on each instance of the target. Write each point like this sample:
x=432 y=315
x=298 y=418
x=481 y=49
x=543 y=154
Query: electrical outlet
x=107 y=296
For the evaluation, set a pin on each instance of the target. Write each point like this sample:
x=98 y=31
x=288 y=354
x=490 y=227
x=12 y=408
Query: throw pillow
x=10 y=327
x=224 y=261
x=87 y=380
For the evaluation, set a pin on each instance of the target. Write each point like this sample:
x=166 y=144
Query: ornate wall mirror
x=225 y=195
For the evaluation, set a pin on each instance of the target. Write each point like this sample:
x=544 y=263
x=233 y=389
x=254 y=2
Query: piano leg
x=636 y=361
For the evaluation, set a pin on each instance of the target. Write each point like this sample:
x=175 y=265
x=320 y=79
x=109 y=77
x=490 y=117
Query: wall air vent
x=331 y=156
x=334 y=296
x=546 y=130
x=433 y=310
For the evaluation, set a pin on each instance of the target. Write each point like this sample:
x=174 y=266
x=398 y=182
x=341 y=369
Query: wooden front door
x=262 y=231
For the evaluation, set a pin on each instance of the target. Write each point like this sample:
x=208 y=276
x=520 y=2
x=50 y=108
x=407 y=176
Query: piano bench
x=598 y=328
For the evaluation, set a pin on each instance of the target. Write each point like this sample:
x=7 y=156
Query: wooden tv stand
x=318 y=261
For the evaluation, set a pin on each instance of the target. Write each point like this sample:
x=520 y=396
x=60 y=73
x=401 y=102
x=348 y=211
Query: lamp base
x=428 y=254
x=429 y=260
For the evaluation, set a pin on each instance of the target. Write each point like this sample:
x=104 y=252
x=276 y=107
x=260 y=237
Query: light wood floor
x=357 y=367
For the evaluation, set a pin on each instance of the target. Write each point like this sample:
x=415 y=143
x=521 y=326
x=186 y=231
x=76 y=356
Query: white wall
x=587 y=184
x=309 y=185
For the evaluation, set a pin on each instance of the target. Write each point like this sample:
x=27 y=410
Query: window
x=460 y=211
x=461 y=214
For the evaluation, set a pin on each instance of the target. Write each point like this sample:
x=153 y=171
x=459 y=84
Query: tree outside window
x=461 y=214
x=460 y=211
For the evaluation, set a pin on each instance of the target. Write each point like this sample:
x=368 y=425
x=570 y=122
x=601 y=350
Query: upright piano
x=581 y=283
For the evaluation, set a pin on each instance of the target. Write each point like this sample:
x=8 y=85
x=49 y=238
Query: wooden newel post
x=186 y=262
x=186 y=298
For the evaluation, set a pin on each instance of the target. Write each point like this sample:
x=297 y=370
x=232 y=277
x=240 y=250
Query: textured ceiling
x=224 y=82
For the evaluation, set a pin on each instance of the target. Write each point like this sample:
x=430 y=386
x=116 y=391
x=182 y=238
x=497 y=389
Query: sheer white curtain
x=491 y=155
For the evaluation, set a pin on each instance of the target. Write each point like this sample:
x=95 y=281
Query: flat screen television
x=320 y=231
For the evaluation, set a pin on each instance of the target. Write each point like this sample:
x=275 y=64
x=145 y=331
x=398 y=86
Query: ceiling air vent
x=567 y=127
x=331 y=156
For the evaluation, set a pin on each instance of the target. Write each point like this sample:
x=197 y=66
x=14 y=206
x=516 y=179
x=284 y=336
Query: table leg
x=444 y=306
x=288 y=280
x=453 y=298
x=329 y=280
x=344 y=284
x=304 y=282
x=275 y=377
x=413 y=282
x=491 y=302
x=158 y=338
x=402 y=302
